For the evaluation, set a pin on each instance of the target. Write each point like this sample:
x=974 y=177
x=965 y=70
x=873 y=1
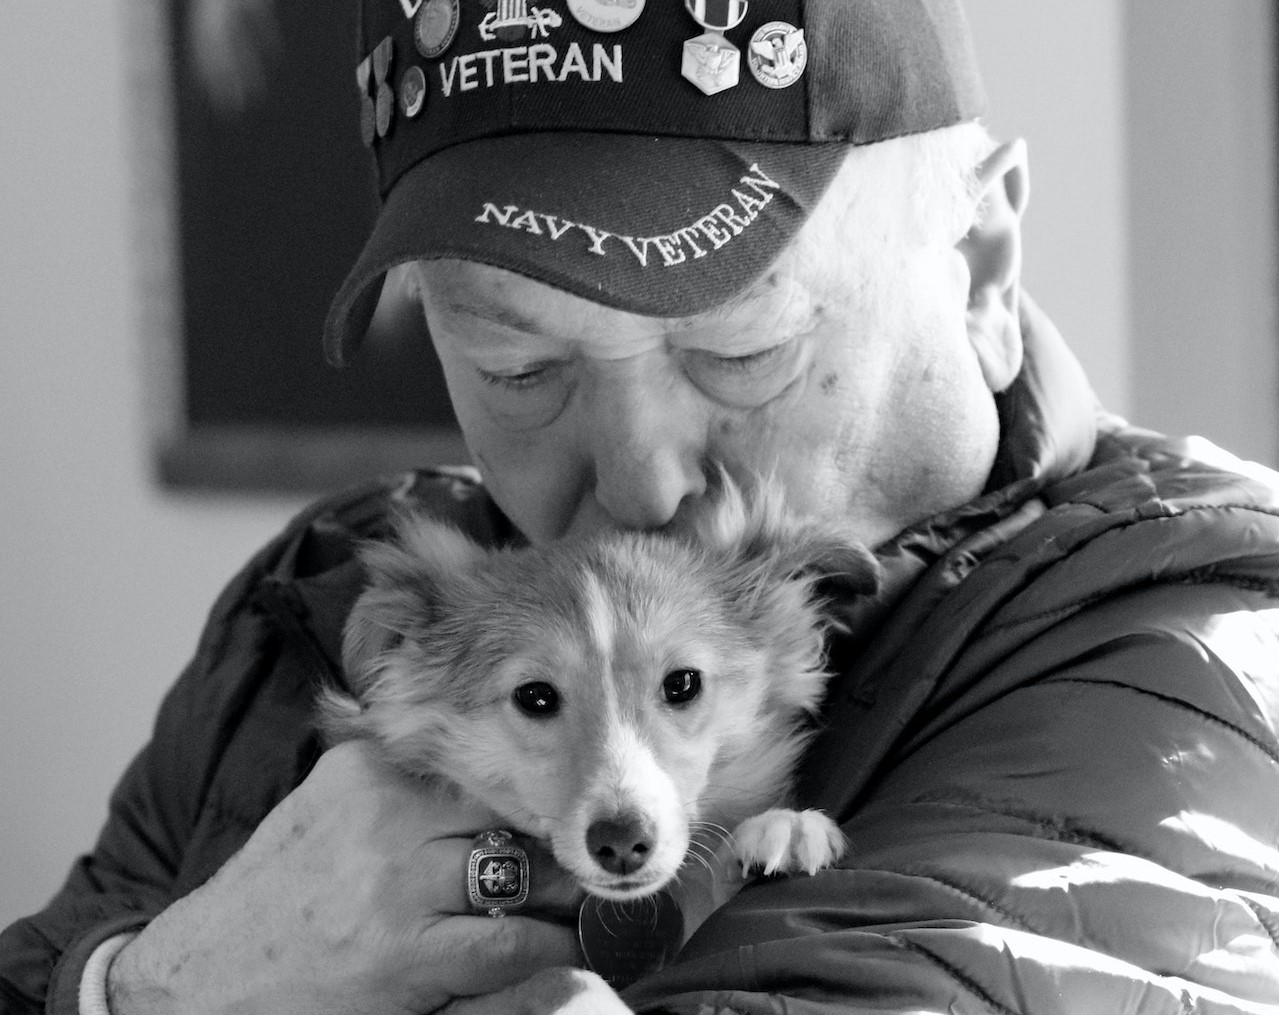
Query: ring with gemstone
x=497 y=874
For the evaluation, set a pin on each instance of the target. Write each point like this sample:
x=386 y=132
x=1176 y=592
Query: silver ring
x=497 y=875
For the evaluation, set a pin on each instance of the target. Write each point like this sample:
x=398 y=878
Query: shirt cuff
x=93 y=981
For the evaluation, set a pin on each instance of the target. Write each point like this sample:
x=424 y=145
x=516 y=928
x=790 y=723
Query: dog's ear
x=838 y=561
x=409 y=577
x=755 y=527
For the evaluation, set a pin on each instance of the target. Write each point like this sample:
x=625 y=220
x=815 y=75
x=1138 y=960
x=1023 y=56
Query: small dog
x=626 y=698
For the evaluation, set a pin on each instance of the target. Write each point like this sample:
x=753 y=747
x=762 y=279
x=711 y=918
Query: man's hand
x=552 y=992
x=349 y=897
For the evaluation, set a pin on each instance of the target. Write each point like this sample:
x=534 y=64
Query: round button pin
x=412 y=91
x=435 y=27
x=777 y=54
x=606 y=15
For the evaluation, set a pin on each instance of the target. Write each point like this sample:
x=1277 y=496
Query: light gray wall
x=104 y=579
x=1054 y=73
x=1202 y=179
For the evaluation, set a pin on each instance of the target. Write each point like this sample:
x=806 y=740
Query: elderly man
x=651 y=241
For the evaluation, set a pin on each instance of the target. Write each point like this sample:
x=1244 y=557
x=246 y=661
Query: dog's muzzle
x=497 y=875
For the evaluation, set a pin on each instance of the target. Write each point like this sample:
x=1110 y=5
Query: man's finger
x=492 y=954
x=552 y=889
x=553 y=992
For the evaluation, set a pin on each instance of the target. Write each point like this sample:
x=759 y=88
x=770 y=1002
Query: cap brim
x=663 y=227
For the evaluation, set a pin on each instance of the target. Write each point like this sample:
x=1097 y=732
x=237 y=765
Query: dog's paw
x=788 y=842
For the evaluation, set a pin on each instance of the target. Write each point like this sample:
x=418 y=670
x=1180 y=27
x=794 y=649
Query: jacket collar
x=1048 y=430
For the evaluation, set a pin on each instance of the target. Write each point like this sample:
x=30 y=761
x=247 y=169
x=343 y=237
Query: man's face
x=850 y=377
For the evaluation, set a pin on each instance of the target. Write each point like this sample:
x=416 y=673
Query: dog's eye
x=538 y=698
x=681 y=686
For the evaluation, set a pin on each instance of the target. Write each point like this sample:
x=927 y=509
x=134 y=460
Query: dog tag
x=622 y=941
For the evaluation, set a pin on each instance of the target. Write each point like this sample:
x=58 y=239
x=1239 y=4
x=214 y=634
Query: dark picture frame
x=271 y=197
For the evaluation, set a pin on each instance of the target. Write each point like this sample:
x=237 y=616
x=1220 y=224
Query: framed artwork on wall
x=257 y=196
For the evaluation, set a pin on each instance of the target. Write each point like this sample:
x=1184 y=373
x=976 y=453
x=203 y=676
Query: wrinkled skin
x=864 y=385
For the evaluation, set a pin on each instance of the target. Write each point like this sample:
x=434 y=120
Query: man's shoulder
x=1153 y=508
x=1142 y=549
x=240 y=717
x=1146 y=539
x=1147 y=511
x=1133 y=467
x=326 y=535
x=328 y=532
x=309 y=574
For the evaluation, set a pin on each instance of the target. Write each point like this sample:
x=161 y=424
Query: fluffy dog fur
x=598 y=760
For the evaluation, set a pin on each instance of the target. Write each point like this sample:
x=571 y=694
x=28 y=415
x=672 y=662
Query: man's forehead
x=511 y=300
x=814 y=267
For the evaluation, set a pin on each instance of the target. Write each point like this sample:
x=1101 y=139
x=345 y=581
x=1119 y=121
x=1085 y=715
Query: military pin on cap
x=377 y=100
x=606 y=15
x=368 y=108
x=384 y=100
x=435 y=27
x=711 y=62
x=777 y=54
x=412 y=91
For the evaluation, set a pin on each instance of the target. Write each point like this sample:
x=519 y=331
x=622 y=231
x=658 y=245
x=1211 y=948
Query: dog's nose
x=620 y=844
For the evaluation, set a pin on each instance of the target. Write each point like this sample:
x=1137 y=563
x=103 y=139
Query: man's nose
x=649 y=448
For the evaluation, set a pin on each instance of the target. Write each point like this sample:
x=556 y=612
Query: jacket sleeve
x=1079 y=822
x=232 y=738
x=139 y=865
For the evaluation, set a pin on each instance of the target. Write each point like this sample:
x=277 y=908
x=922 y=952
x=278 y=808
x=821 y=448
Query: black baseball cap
x=650 y=155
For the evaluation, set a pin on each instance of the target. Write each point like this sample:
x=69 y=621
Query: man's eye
x=748 y=380
x=523 y=379
x=523 y=396
x=750 y=361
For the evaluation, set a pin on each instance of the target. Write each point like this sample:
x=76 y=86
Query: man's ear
x=992 y=249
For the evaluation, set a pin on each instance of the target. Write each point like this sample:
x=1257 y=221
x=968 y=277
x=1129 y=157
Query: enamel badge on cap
x=435 y=27
x=717 y=15
x=777 y=54
x=512 y=18
x=377 y=100
x=368 y=108
x=412 y=91
x=711 y=62
x=384 y=98
x=606 y=15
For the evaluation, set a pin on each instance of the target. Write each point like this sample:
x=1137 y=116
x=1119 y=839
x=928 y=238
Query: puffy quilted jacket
x=1052 y=743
